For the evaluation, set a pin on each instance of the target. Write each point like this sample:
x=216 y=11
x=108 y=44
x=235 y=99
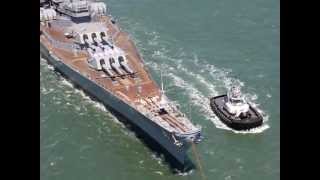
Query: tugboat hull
x=252 y=120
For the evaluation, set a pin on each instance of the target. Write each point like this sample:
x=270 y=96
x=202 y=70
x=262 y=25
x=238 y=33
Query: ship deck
x=139 y=91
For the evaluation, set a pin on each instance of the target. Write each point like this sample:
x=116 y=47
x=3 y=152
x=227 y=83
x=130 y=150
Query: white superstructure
x=236 y=104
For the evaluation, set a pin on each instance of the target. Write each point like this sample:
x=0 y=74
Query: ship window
x=237 y=101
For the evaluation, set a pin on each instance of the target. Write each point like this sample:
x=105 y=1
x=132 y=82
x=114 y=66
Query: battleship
x=84 y=43
x=234 y=111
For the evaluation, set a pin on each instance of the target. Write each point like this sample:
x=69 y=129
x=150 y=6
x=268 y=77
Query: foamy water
x=87 y=99
x=196 y=95
x=66 y=83
x=201 y=55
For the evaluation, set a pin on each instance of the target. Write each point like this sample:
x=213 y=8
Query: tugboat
x=234 y=111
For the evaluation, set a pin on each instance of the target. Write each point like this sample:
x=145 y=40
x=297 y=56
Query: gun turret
x=124 y=65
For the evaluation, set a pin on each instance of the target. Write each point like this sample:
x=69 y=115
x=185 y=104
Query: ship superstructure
x=87 y=46
x=236 y=104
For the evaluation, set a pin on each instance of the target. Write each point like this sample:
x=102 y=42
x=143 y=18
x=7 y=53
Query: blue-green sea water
x=202 y=47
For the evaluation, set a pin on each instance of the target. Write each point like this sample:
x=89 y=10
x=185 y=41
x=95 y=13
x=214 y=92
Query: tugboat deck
x=238 y=123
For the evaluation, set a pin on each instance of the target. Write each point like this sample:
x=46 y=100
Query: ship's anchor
x=176 y=142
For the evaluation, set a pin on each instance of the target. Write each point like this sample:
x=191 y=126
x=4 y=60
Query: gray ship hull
x=175 y=155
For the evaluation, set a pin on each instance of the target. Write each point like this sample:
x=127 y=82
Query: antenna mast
x=189 y=109
x=162 y=90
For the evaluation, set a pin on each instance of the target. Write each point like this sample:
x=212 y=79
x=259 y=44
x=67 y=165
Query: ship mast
x=162 y=91
x=162 y=98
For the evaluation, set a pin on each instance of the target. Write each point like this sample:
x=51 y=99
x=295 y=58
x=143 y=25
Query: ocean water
x=202 y=47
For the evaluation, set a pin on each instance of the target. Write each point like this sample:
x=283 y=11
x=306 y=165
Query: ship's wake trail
x=221 y=77
x=71 y=89
x=199 y=96
x=198 y=81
